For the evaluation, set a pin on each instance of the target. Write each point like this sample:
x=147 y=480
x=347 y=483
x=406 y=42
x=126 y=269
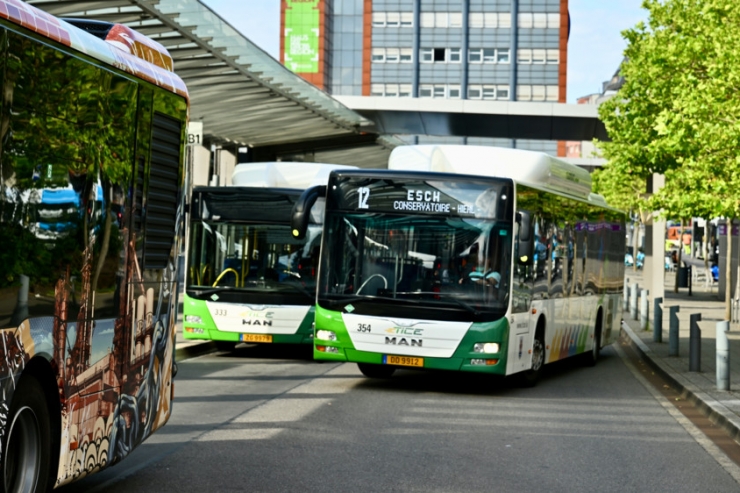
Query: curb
x=717 y=412
x=194 y=350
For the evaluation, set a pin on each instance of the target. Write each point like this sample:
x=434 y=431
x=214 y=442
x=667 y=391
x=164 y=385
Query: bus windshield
x=261 y=259
x=457 y=267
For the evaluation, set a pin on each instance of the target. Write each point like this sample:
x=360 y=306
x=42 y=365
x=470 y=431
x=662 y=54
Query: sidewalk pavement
x=722 y=407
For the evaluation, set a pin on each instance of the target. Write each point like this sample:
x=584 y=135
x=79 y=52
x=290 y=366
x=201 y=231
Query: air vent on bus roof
x=162 y=194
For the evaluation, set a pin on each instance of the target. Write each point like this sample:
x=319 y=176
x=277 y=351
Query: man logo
x=404 y=342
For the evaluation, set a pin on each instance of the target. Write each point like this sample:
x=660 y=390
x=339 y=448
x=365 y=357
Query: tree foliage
x=678 y=112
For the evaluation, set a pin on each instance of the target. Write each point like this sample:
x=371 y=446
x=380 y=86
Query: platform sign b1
x=195 y=133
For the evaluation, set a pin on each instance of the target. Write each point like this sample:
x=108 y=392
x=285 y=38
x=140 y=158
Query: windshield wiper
x=217 y=289
x=460 y=303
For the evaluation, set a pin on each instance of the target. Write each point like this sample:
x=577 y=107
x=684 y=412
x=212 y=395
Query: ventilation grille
x=162 y=196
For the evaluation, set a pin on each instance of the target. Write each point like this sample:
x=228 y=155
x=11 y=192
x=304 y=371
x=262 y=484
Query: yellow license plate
x=256 y=337
x=403 y=361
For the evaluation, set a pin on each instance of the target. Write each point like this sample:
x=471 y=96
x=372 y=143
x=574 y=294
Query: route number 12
x=363 y=193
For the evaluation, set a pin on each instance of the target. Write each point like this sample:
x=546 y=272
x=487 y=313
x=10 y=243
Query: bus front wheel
x=26 y=447
x=376 y=371
x=530 y=377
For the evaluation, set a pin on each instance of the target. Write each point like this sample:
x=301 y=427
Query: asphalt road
x=262 y=419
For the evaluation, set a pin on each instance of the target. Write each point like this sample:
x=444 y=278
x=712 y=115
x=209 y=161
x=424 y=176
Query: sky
x=594 y=49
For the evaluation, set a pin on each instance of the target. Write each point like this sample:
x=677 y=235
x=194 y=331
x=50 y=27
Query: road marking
x=337 y=381
x=700 y=438
x=281 y=410
x=231 y=434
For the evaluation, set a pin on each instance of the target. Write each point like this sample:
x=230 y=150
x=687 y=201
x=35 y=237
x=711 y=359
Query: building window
x=489 y=92
x=392 y=55
x=426 y=19
x=393 y=19
x=391 y=90
x=440 y=19
x=528 y=56
x=525 y=21
x=529 y=20
x=539 y=21
x=539 y=57
x=537 y=93
x=439 y=55
x=439 y=91
x=489 y=20
x=489 y=55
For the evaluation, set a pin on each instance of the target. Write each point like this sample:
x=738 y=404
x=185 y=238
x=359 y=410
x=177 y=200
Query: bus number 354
x=363 y=327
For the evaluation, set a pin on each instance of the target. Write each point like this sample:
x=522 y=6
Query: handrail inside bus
x=226 y=271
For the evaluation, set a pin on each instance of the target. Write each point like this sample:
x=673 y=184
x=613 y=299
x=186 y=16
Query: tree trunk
x=728 y=273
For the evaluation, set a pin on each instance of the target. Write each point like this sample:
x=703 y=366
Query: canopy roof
x=240 y=93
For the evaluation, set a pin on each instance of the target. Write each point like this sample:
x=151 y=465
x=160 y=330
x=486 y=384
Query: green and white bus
x=247 y=278
x=467 y=258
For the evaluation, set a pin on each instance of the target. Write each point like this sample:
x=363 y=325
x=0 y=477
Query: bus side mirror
x=524 y=246
x=302 y=210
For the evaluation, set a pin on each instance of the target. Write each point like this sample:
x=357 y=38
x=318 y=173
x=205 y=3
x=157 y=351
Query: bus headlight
x=486 y=347
x=193 y=319
x=326 y=335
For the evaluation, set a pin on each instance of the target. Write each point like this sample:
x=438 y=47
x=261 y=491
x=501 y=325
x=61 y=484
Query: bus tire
x=26 y=445
x=226 y=346
x=529 y=378
x=592 y=356
x=376 y=371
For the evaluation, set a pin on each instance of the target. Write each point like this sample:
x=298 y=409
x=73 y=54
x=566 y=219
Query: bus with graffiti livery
x=466 y=258
x=248 y=279
x=92 y=132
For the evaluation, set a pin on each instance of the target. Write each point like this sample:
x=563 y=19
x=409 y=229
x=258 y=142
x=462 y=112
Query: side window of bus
x=42 y=148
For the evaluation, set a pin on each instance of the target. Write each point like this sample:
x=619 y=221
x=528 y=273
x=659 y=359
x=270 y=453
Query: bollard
x=644 y=316
x=633 y=301
x=657 y=320
x=673 y=331
x=694 y=342
x=723 y=356
x=626 y=294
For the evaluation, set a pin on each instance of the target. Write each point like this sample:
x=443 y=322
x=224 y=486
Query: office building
x=504 y=50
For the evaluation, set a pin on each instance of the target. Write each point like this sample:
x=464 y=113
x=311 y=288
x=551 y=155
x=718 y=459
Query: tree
x=678 y=112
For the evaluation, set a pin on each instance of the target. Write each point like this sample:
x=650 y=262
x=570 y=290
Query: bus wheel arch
x=529 y=378
x=32 y=431
x=592 y=356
